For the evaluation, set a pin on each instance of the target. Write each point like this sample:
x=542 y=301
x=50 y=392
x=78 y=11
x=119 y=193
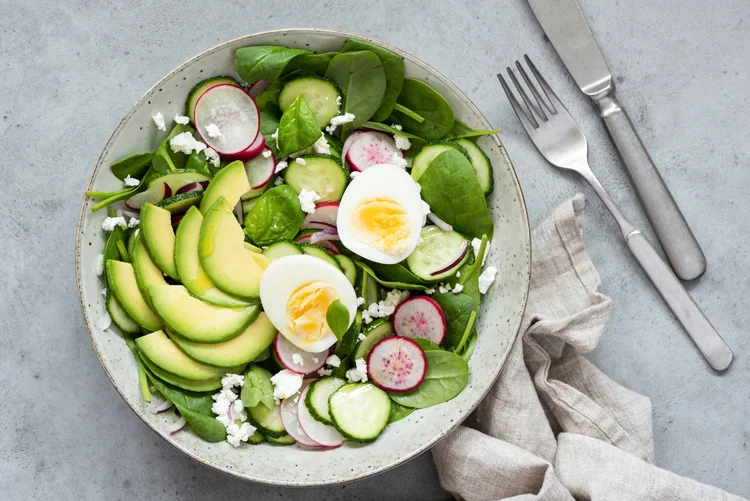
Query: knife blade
x=570 y=35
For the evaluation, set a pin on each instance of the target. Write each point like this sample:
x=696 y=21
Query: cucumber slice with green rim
x=268 y=421
x=178 y=204
x=180 y=382
x=320 y=253
x=256 y=438
x=321 y=95
x=281 y=249
x=119 y=316
x=253 y=194
x=334 y=144
x=317 y=396
x=348 y=267
x=360 y=411
x=481 y=163
x=428 y=153
x=198 y=90
x=247 y=205
x=282 y=440
x=375 y=332
x=439 y=255
x=322 y=174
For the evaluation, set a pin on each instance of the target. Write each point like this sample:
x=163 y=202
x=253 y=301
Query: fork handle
x=700 y=330
x=678 y=242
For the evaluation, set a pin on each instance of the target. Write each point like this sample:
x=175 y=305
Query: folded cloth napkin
x=553 y=427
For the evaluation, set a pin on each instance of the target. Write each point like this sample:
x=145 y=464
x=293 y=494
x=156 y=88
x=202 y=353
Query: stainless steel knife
x=567 y=29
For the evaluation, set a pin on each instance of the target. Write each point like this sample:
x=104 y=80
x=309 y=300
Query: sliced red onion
x=176 y=219
x=324 y=235
x=320 y=225
x=178 y=425
x=454 y=262
x=194 y=186
x=258 y=88
x=440 y=223
x=204 y=184
x=163 y=407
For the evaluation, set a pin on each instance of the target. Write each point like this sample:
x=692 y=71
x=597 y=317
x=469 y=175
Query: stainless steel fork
x=561 y=141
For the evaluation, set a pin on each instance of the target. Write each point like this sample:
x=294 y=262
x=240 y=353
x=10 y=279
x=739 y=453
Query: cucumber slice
x=247 y=205
x=268 y=421
x=334 y=144
x=375 y=332
x=481 y=163
x=317 y=396
x=253 y=194
x=179 y=203
x=428 y=153
x=256 y=438
x=321 y=94
x=348 y=266
x=280 y=249
x=119 y=316
x=282 y=440
x=322 y=174
x=439 y=255
x=360 y=411
x=180 y=382
x=198 y=90
x=320 y=253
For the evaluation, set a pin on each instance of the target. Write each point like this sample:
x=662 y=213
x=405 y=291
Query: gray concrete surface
x=69 y=70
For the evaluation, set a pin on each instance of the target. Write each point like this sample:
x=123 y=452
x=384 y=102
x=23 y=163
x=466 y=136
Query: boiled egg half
x=296 y=291
x=381 y=215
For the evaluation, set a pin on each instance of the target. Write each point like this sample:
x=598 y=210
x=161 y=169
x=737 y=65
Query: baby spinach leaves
x=426 y=102
x=298 y=128
x=337 y=318
x=361 y=78
x=451 y=188
x=447 y=374
x=461 y=130
x=348 y=343
x=134 y=166
x=275 y=216
x=399 y=412
x=264 y=62
x=393 y=276
x=258 y=388
x=314 y=63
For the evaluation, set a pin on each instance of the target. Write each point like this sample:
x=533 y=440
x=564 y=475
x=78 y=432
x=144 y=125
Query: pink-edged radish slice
x=397 y=364
x=194 y=186
x=251 y=152
x=296 y=359
x=260 y=170
x=290 y=420
x=156 y=192
x=372 y=148
x=323 y=434
x=227 y=119
x=258 y=88
x=420 y=317
x=324 y=216
x=348 y=143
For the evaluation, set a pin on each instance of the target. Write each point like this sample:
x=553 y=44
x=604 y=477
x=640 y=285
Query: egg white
x=382 y=180
x=285 y=275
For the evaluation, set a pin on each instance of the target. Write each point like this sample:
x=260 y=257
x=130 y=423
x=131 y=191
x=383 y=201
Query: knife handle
x=678 y=242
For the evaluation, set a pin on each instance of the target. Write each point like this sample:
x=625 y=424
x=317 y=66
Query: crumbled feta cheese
x=212 y=157
x=476 y=244
x=159 y=121
x=425 y=211
x=181 y=119
x=275 y=136
x=229 y=381
x=307 y=200
x=104 y=292
x=214 y=131
x=397 y=126
x=430 y=292
x=486 y=279
x=399 y=161
x=104 y=321
x=222 y=402
x=402 y=142
x=443 y=288
x=285 y=384
x=110 y=223
x=361 y=337
x=333 y=361
x=186 y=143
x=316 y=360
x=99 y=265
x=300 y=161
x=278 y=181
x=340 y=120
x=385 y=307
x=238 y=434
x=360 y=301
x=134 y=221
x=457 y=288
x=358 y=373
x=321 y=146
x=354 y=174
x=266 y=153
x=458 y=274
x=323 y=372
x=297 y=359
x=419 y=187
x=131 y=181
x=338 y=100
x=281 y=166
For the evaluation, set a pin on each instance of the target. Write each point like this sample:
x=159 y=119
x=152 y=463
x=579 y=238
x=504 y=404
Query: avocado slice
x=196 y=320
x=227 y=262
x=230 y=182
x=237 y=351
x=189 y=266
x=146 y=272
x=121 y=278
x=119 y=316
x=180 y=382
x=158 y=235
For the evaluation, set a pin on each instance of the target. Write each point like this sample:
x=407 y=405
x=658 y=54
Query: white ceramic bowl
x=294 y=466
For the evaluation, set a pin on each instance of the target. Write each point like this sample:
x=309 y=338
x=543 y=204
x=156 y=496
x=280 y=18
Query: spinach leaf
x=197 y=162
x=426 y=344
x=405 y=280
x=392 y=130
x=269 y=123
x=165 y=159
x=348 y=343
x=361 y=78
x=258 y=388
x=337 y=317
x=340 y=371
x=111 y=248
x=269 y=97
x=409 y=113
x=393 y=66
x=264 y=62
x=142 y=376
x=427 y=103
x=461 y=130
x=451 y=188
x=398 y=412
x=298 y=128
x=276 y=215
x=314 y=63
x=447 y=374
x=470 y=346
x=134 y=166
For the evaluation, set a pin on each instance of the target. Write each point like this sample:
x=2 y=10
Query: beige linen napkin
x=554 y=427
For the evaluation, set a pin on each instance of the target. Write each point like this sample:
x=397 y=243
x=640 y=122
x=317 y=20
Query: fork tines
x=537 y=111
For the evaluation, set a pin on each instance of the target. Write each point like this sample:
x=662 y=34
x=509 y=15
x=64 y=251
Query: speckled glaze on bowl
x=296 y=466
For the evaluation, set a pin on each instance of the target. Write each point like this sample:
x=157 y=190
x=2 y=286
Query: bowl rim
x=426 y=446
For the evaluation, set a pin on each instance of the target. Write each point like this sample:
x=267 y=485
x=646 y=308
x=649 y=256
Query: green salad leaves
x=298 y=128
x=276 y=215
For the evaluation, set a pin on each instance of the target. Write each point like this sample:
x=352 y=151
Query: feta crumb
x=402 y=142
x=186 y=143
x=316 y=360
x=419 y=187
x=300 y=161
x=278 y=181
x=486 y=279
x=397 y=126
x=321 y=146
x=104 y=292
x=457 y=288
x=181 y=119
x=99 y=265
x=323 y=372
x=358 y=373
x=338 y=100
x=267 y=153
x=285 y=384
x=360 y=301
x=159 y=121
x=443 y=288
x=212 y=157
x=229 y=381
x=131 y=181
x=333 y=361
x=385 y=307
x=340 y=120
x=307 y=200
x=399 y=161
x=275 y=136
x=430 y=292
x=354 y=174
x=134 y=221
x=458 y=274
x=238 y=434
x=104 y=321
x=361 y=337
x=425 y=211
x=297 y=359
x=110 y=223
x=281 y=166
x=476 y=244
x=214 y=131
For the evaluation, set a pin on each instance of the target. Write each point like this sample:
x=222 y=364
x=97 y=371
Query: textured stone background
x=69 y=71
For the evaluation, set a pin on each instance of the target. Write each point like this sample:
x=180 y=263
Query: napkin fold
x=554 y=427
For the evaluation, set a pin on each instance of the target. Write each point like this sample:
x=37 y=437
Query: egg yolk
x=382 y=223
x=307 y=307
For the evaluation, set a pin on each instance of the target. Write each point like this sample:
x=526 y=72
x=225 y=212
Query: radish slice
x=178 y=425
x=323 y=434
x=260 y=170
x=258 y=88
x=291 y=422
x=420 y=317
x=152 y=195
x=439 y=222
x=194 y=186
x=397 y=364
x=296 y=359
x=230 y=109
x=251 y=152
x=372 y=148
x=324 y=216
x=349 y=141
x=324 y=236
